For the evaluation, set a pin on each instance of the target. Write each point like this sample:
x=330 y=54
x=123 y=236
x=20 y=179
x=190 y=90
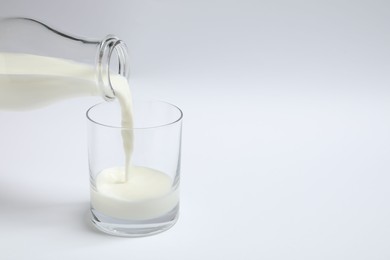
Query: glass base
x=134 y=228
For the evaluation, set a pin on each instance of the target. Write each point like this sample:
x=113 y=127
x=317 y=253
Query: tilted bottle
x=40 y=65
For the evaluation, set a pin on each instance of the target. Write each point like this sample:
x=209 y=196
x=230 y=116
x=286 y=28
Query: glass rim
x=136 y=128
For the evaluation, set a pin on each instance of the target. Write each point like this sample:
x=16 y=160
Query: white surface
x=285 y=143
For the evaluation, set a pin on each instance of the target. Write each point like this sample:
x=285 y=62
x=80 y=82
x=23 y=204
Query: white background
x=286 y=132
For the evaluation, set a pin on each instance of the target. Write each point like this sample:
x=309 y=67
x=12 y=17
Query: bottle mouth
x=112 y=53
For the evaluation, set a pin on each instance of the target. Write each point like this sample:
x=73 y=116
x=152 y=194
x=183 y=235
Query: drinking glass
x=143 y=200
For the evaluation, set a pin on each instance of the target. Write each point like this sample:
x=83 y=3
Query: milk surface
x=31 y=81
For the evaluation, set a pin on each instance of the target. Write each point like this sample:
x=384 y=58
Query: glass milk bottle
x=40 y=65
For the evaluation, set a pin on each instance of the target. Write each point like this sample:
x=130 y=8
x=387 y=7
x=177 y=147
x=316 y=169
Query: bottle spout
x=112 y=53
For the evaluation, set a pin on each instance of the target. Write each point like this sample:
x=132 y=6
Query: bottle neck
x=112 y=52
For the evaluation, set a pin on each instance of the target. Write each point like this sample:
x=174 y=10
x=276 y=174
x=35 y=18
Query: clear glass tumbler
x=145 y=202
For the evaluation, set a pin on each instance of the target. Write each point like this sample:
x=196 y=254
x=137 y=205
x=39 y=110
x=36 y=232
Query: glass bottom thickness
x=136 y=228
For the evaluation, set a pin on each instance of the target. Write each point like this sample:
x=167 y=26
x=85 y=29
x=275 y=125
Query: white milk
x=30 y=81
x=147 y=194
